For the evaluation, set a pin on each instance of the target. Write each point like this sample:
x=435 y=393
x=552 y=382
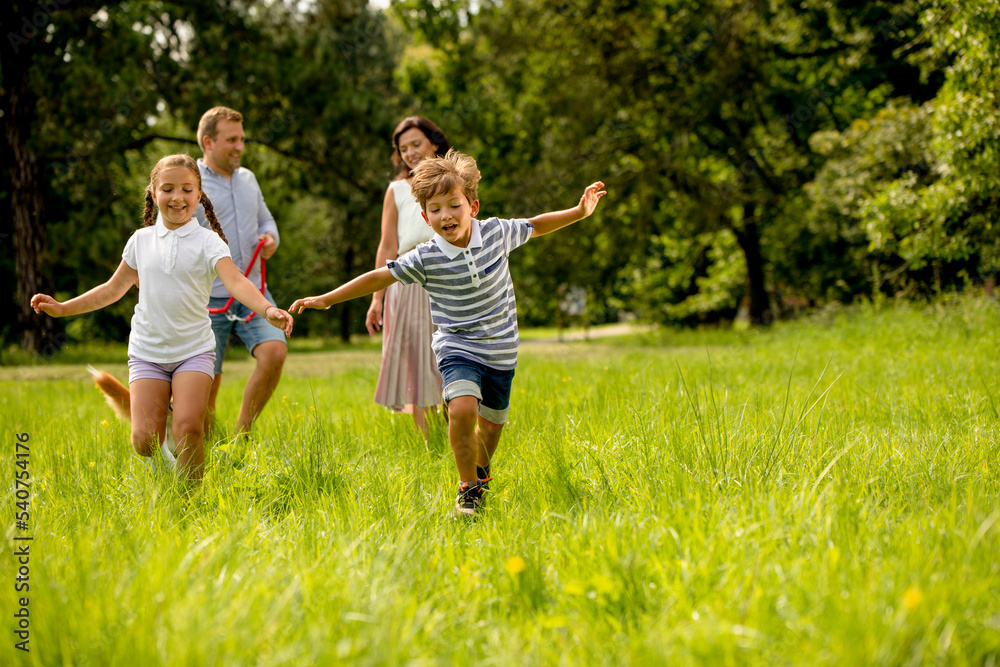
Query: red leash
x=263 y=282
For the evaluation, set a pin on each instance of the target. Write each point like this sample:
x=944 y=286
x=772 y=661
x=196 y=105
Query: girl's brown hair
x=433 y=133
x=179 y=160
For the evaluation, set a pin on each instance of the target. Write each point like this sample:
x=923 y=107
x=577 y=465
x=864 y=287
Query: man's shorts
x=148 y=370
x=252 y=333
x=465 y=377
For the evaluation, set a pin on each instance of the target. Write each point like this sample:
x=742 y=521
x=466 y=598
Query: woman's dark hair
x=430 y=130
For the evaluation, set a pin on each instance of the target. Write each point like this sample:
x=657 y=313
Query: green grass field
x=825 y=492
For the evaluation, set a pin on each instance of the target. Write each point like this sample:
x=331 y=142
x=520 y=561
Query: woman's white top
x=176 y=270
x=411 y=228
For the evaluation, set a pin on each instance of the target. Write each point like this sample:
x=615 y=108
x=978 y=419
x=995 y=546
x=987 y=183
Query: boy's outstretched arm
x=99 y=297
x=363 y=285
x=550 y=222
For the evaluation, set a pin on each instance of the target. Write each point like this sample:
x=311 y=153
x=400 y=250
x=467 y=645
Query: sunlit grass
x=823 y=492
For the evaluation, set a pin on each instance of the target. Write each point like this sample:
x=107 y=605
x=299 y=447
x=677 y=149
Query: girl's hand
x=373 y=320
x=592 y=195
x=300 y=305
x=44 y=302
x=276 y=317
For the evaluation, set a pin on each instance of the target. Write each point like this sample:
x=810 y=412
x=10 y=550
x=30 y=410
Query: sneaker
x=168 y=454
x=484 y=477
x=469 y=498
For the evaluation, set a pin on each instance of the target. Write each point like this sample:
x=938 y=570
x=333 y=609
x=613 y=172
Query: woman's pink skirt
x=409 y=375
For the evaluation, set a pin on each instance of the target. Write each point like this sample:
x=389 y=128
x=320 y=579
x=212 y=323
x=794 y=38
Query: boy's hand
x=44 y=302
x=276 y=317
x=300 y=305
x=592 y=195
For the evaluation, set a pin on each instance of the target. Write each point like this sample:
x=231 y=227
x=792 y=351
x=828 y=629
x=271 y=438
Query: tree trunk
x=749 y=239
x=19 y=104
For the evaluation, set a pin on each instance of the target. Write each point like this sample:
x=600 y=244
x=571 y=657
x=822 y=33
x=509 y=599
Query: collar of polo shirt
x=183 y=230
x=452 y=251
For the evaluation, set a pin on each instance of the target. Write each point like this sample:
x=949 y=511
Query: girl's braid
x=210 y=214
x=149 y=213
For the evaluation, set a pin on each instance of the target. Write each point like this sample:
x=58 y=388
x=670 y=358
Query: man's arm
x=546 y=223
x=363 y=285
x=267 y=228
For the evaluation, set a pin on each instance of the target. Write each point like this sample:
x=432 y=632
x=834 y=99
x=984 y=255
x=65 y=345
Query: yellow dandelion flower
x=912 y=597
x=514 y=565
x=284 y=398
x=104 y=422
x=91 y=464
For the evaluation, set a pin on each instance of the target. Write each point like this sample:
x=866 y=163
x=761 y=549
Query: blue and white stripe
x=471 y=292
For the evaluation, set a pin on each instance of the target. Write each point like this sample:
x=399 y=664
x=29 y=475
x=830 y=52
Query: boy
x=464 y=271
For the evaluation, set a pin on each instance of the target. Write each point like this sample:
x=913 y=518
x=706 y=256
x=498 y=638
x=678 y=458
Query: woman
x=408 y=379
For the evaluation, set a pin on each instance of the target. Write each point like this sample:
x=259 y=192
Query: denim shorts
x=148 y=370
x=491 y=387
x=252 y=333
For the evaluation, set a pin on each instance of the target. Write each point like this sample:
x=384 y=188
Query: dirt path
x=312 y=363
x=594 y=333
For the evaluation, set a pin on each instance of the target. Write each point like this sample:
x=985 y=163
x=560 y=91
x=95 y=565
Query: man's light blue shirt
x=239 y=206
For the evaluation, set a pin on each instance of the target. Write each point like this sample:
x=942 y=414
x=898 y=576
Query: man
x=245 y=219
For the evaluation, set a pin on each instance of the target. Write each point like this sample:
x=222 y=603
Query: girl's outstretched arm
x=363 y=285
x=99 y=297
x=247 y=293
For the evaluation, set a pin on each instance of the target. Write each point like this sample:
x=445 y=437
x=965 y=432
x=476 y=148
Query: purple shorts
x=148 y=370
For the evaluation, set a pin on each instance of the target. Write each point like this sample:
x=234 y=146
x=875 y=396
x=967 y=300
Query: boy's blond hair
x=441 y=175
x=210 y=120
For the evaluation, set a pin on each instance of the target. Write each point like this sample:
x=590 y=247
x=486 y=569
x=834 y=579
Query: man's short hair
x=207 y=126
x=441 y=175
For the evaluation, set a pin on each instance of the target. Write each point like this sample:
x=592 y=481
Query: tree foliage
x=754 y=152
x=114 y=87
x=915 y=189
x=698 y=115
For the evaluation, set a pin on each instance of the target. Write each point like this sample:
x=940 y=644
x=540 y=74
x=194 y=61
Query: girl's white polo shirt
x=176 y=270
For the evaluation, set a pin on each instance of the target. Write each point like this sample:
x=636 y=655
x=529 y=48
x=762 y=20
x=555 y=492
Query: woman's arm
x=247 y=293
x=99 y=297
x=363 y=285
x=387 y=249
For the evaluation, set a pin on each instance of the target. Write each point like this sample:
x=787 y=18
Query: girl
x=408 y=379
x=171 y=348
